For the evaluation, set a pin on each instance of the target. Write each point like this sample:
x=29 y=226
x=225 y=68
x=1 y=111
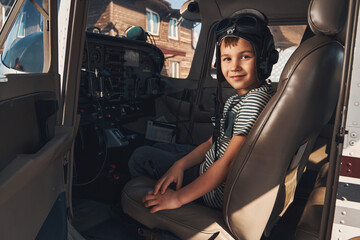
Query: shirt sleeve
x=249 y=112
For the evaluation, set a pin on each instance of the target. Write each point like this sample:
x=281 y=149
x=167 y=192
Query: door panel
x=30 y=185
x=24 y=125
x=21 y=85
x=33 y=145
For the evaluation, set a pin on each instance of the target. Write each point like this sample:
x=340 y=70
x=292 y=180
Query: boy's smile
x=238 y=65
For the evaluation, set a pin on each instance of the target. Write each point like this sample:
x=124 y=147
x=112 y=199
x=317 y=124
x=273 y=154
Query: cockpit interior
x=143 y=72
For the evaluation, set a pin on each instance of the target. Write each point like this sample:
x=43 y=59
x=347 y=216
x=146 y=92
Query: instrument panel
x=120 y=78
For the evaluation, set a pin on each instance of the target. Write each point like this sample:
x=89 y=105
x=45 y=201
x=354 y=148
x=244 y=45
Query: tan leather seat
x=191 y=221
x=265 y=173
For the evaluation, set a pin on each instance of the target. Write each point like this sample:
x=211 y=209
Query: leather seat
x=263 y=178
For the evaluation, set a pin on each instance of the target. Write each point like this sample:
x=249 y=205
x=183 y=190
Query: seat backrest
x=264 y=175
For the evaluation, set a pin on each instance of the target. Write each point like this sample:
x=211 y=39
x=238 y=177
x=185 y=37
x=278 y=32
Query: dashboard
x=120 y=79
x=119 y=82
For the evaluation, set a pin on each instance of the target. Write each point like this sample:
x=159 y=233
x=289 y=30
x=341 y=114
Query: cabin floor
x=95 y=220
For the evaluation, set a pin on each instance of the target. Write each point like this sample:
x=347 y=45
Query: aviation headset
x=251 y=25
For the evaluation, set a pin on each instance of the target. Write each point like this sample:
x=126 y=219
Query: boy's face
x=238 y=66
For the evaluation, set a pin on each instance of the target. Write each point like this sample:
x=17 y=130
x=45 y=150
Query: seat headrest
x=327 y=17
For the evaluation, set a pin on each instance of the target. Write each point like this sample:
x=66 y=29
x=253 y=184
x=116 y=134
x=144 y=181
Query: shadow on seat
x=309 y=224
x=264 y=176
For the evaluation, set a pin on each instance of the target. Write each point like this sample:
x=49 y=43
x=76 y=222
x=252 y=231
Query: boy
x=245 y=55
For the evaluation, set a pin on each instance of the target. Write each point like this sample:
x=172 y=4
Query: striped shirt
x=239 y=116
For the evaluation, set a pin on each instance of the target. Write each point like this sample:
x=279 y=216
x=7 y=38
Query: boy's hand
x=175 y=175
x=168 y=200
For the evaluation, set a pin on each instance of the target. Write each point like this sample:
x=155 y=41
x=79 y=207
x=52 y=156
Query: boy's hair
x=251 y=25
x=229 y=41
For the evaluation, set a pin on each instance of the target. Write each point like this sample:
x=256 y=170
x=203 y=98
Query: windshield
x=164 y=26
x=24 y=47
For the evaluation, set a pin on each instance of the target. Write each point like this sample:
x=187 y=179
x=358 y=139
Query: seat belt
x=216 y=118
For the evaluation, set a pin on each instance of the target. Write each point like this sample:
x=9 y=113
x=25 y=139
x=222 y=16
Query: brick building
x=114 y=17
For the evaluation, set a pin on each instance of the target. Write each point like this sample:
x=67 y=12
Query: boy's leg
x=153 y=161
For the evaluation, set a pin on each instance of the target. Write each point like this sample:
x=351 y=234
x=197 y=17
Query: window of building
x=173 y=29
x=152 y=22
x=174 y=69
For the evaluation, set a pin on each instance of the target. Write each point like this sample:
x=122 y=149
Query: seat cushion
x=191 y=221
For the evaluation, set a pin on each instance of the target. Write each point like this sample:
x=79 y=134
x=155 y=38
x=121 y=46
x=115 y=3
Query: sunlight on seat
x=319 y=155
x=262 y=204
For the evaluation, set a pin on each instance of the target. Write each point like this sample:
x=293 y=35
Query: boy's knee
x=138 y=159
x=140 y=154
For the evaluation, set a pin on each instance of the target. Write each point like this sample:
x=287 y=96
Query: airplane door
x=34 y=148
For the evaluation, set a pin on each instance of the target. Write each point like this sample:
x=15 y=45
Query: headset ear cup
x=269 y=56
x=273 y=54
x=274 y=58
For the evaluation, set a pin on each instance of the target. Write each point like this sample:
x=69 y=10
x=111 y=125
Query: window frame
x=151 y=12
x=173 y=29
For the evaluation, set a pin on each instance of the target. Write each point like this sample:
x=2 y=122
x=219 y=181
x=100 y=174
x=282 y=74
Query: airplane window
x=287 y=38
x=24 y=47
x=164 y=26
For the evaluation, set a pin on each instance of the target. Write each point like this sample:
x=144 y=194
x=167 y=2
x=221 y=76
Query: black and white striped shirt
x=239 y=116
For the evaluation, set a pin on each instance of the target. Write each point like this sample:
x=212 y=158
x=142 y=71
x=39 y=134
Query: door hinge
x=339 y=138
